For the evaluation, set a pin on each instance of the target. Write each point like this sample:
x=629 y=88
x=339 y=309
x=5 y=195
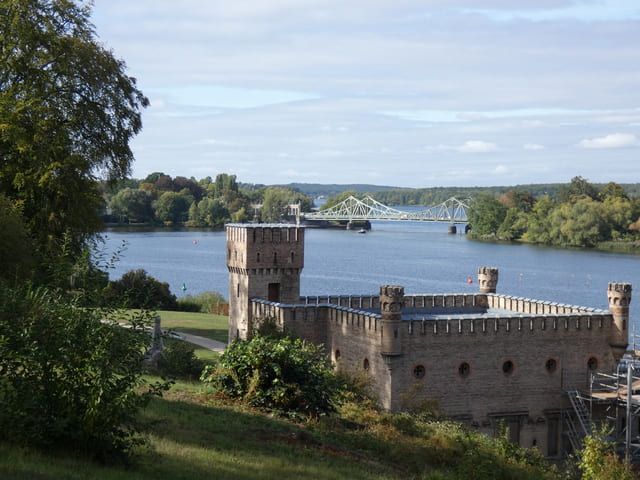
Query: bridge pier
x=359 y=224
x=452 y=229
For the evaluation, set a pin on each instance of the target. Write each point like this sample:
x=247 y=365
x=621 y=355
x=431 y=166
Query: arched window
x=508 y=367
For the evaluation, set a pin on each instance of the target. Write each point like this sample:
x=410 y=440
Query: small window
x=508 y=367
x=419 y=371
x=464 y=370
x=337 y=354
x=592 y=363
x=258 y=257
x=365 y=364
x=551 y=365
x=292 y=257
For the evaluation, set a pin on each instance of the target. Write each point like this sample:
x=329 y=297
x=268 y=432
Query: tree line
x=436 y=195
x=204 y=203
x=581 y=215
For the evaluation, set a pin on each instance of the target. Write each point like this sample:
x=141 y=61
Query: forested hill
x=316 y=190
x=434 y=195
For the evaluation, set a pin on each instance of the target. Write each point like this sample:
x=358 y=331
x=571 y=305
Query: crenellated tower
x=391 y=301
x=265 y=262
x=488 y=279
x=619 y=296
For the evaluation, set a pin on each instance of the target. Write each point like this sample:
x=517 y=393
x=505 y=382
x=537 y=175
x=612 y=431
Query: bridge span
x=353 y=209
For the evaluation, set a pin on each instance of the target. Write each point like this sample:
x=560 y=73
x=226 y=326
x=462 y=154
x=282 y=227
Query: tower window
x=592 y=363
x=336 y=354
x=365 y=364
x=258 y=257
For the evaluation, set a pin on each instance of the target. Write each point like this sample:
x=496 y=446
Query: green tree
x=137 y=289
x=134 y=204
x=578 y=224
x=172 y=207
x=617 y=215
x=539 y=222
x=16 y=250
x=513 y=226
x=67 y=113
x=612 y=189
x=224 y=182
x=486 y=214
x=332 y=201
x=275 y=204
x=578 y=188
x=213 y=212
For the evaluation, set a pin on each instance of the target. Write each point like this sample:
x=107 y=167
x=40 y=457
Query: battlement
x=264 y=246
x=436 y=315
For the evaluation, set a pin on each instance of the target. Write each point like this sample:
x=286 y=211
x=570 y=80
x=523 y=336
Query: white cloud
x=533 y=146
x=477 y=146
x=371 y=82
x=614 y=140
x=500 y=170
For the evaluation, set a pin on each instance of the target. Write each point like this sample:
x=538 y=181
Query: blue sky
x=412 y=93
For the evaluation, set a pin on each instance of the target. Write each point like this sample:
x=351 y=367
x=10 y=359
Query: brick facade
x=482 y=358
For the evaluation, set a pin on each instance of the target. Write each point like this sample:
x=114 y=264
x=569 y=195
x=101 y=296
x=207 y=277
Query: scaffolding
x=611 y=399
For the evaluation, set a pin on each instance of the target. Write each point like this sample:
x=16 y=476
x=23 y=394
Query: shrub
x=181 y=360
x=292 y=377
x=205 y=302
x=70 y=377
x=137 y=289
x=598 y=459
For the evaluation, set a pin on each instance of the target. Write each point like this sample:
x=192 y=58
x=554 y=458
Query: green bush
x=205 y=302
x=137 y=289
x=292 y=377
x=70 y=376
x=181 y=360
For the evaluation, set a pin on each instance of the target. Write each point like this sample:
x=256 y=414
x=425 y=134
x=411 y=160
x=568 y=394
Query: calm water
x=423 y=258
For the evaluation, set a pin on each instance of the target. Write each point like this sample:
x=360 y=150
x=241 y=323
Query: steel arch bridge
x=352 y=208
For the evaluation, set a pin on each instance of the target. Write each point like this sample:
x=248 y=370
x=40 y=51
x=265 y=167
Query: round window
x=419 y=371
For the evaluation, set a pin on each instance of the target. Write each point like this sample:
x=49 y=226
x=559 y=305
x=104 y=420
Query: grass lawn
x=202 y=324
x=191 y=434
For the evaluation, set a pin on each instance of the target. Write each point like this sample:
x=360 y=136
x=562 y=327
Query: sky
x=406 y=93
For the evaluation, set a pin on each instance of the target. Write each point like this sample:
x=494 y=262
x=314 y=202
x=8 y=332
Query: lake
x=422 y=257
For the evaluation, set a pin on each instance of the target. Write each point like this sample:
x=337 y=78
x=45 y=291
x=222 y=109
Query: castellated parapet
x=482 y=357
